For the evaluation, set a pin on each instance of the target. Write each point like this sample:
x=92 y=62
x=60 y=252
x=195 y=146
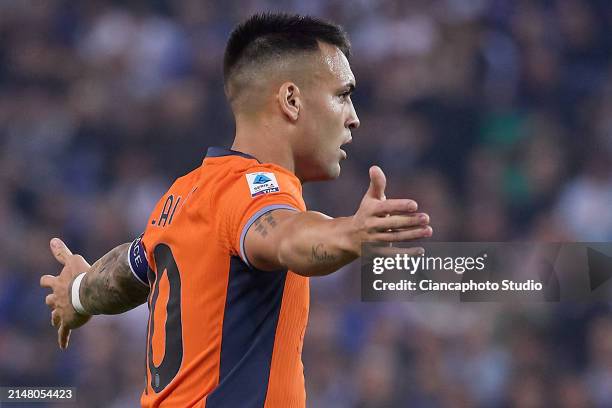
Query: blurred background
x=495 y=115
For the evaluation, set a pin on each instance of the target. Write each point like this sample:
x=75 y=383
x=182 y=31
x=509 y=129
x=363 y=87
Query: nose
x=353 y=121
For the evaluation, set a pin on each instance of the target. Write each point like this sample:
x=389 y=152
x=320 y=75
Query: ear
x=289 y=100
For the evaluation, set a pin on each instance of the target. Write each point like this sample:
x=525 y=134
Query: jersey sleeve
x=256 y=193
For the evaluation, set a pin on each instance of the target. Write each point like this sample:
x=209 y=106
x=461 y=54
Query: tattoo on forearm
x=110 y=287
x=320 y=254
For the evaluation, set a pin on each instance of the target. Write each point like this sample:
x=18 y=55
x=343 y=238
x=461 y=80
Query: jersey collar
x=220 y=152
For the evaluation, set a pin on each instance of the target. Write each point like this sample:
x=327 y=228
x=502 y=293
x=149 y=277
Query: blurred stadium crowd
x=495 y=115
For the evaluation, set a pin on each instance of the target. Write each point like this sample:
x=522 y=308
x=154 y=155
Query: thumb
x=378 y=182
x=60 y=250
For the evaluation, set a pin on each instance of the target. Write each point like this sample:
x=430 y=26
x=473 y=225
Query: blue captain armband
x=137 y=259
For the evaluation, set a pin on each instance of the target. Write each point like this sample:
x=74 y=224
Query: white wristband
x=76 y=300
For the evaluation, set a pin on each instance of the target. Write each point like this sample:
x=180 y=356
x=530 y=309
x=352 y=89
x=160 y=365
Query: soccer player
x=228 y=251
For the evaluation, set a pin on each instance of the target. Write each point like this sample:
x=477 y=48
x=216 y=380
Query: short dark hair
x=268 y=35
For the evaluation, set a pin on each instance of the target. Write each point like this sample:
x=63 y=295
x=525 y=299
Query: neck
x=265 y=143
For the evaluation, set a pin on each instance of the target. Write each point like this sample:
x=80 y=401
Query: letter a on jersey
x=262 y=183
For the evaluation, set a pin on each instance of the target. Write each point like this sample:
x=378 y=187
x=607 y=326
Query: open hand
x=387 y=220
x=63 y=315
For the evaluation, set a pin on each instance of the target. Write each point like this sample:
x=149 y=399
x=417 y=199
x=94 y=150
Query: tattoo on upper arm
x=320 y=254
x=260 y=227
x=110 y=287
x=269 y=217
x=263 y=222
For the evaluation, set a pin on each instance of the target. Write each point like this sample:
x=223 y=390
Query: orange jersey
x=222 y=333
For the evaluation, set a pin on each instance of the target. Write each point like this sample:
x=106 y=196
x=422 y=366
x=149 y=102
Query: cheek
x=324 y=123
x=321 y=118
x=336 y=107
x=334 y=117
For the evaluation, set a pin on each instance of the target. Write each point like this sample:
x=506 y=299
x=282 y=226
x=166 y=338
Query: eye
x=345 y=95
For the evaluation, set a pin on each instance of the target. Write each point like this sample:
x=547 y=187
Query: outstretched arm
x=313 y=244
x=108 y=287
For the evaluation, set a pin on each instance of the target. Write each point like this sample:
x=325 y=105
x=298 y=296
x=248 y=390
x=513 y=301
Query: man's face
x=327 y=117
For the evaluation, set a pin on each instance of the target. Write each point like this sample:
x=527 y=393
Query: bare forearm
x=316 y=245
x=109 y=287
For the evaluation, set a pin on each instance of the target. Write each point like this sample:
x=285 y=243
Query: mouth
x=349 y=140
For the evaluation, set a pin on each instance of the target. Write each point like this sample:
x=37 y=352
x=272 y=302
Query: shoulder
x=248 y=180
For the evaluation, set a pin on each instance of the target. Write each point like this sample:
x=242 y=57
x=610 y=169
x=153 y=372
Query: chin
x=332 y=172
x=335 y=173
x=325 y=174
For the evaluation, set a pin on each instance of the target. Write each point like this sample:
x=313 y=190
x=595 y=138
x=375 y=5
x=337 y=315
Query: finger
x=414 y=251
x=50 y=300
x=63 y=336
x=55 y=318
x=378 y=182
x=399 y=222
x=60 y=250
x=406 y=235
x=394 y=250
x=47 y=281
x=395 y=206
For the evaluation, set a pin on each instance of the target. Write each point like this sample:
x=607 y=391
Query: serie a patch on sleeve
x=262 y=183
